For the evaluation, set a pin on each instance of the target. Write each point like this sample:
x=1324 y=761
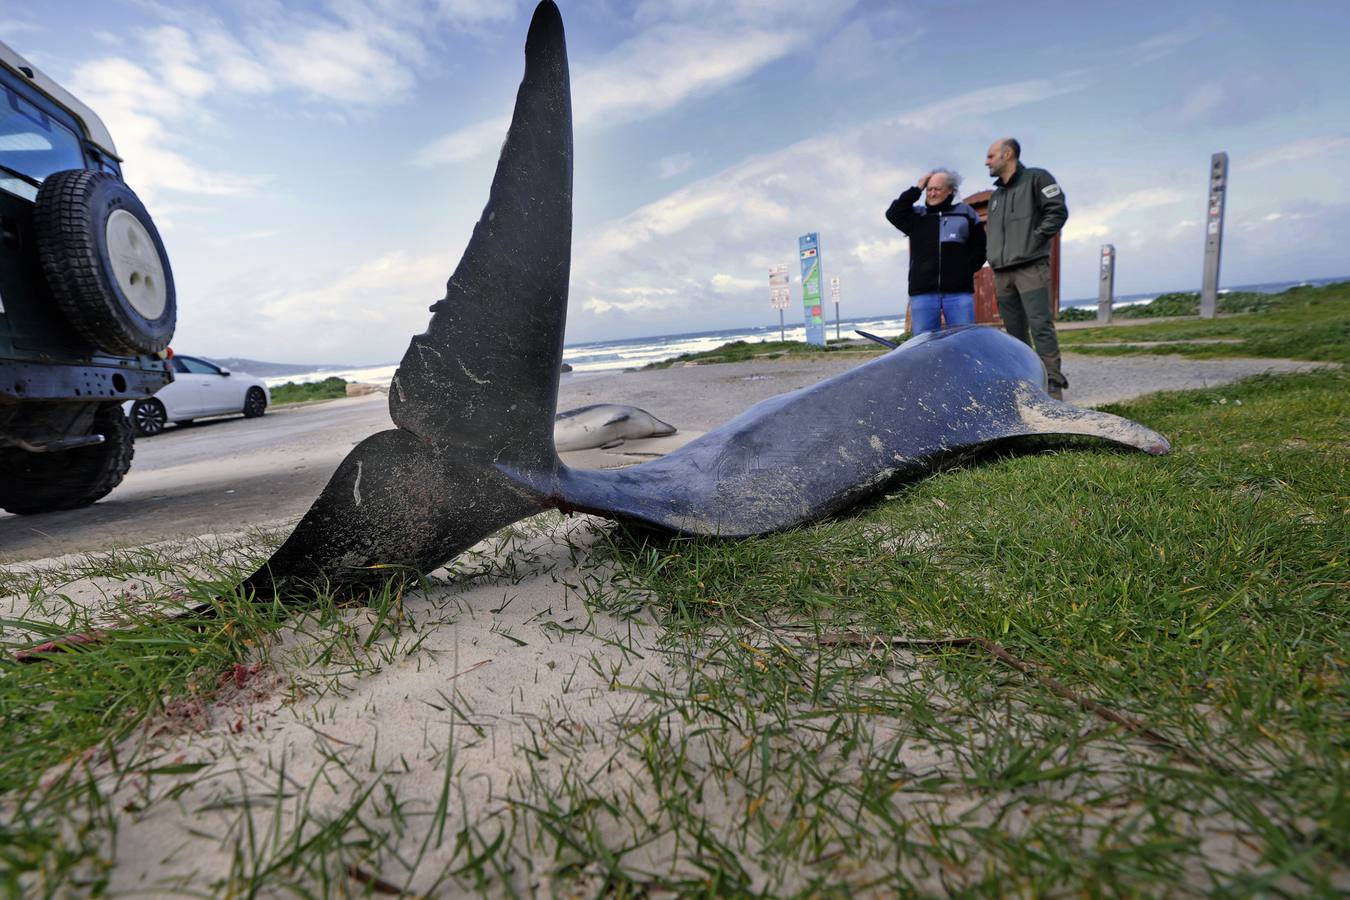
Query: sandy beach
x=520 y=686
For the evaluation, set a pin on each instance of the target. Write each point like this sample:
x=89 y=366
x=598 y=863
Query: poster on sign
x=808 y=248
x=779 y=293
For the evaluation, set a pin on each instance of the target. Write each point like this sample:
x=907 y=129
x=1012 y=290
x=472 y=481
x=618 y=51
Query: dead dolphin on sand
x=605 y=425
x=474 y=400
x=456 y=468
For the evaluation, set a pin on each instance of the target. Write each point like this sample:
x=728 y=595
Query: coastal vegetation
x=293 y=392
x=741 y=351
x=1311 y=323
x=1057 y=673
x=1180 y=303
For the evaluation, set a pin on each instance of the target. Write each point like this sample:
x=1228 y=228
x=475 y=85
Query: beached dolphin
x=605 y=425
x=475 y=395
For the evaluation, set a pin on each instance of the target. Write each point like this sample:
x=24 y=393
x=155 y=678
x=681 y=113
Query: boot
x=1054 y=377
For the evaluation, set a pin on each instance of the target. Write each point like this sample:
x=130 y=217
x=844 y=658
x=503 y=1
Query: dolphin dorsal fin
x=484 y=375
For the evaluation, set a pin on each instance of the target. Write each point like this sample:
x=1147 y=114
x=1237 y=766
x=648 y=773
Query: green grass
x=1206 y=594
x=1311 y=323
x=783 y=729
x=1182 y=303
x=291 y=392
x=740 y=351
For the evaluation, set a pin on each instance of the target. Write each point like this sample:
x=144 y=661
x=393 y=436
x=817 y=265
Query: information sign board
x=808 y=248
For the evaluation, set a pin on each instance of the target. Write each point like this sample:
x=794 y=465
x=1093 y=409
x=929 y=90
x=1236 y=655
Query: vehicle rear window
x=33 y=145
x=195 y=366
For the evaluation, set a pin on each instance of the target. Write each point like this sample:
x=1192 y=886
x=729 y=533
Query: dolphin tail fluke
x=1042 y=415
x=479 y=387
x=484 y=376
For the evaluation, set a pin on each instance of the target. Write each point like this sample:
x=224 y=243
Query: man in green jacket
x=1026 y=211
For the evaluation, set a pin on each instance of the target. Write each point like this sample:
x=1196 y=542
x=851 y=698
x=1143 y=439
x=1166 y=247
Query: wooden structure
x=986 y=304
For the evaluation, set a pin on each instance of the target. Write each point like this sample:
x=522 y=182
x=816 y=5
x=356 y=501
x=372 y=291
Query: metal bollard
x=1106 y=284
x=1218 y=188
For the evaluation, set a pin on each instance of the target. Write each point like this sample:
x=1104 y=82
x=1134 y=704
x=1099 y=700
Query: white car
x=200 y=389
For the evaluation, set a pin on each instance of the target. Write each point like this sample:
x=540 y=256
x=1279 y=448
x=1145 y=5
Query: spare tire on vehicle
x=105 y=262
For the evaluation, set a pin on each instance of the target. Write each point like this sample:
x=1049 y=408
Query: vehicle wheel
x=149 y=417
x=68 y=479
x=255 y=403
x=105 y=262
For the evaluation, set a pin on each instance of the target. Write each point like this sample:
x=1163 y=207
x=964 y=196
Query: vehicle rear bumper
x=25 y=382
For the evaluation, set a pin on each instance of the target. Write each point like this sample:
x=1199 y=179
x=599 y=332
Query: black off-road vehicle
x=87 y=302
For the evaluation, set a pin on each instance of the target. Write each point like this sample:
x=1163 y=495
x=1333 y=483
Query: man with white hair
x=946 y=249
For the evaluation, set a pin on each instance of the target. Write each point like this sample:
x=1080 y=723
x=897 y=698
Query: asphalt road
x=226 y=475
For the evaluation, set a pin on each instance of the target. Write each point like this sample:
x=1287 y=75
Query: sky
x=316 y=167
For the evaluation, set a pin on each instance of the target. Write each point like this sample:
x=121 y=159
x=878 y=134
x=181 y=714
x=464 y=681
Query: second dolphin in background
x=605 y=425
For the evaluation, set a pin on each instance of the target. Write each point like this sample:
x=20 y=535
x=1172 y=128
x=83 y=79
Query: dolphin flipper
x=1045 y=416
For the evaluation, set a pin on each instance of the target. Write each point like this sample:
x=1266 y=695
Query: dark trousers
x=1023 y=296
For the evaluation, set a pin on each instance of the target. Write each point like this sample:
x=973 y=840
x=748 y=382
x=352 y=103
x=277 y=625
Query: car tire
x=255 y=403
x=149 y=417
x=68 y=479
x=105 y=262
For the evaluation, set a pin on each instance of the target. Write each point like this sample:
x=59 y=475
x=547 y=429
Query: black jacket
x=1024 y=215
x=946 y=243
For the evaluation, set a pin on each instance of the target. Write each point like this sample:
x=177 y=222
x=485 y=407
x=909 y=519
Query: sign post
x=779 y=296
x=1106 y=284
x=834 y=293
x=1218 y=189
x=808 y=248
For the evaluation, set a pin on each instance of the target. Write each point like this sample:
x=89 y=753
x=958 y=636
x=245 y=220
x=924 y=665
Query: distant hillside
x=270 y=369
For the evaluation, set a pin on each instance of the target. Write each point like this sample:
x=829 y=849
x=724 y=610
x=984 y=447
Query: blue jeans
x=925 y=309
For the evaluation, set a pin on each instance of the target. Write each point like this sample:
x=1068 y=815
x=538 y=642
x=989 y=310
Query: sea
x=634 y=353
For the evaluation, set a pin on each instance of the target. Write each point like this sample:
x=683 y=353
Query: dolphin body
x=474 y=398
x=605 y=425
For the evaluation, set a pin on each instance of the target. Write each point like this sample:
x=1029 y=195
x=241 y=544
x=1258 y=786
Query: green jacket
x=1024 y=215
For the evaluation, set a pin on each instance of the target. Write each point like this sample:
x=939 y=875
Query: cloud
x=140 y=111
x=879 y=250
x=676 y=164
x=340 y=65
x=634 y=299
x=230 y=240
x=667 y=65
x=1161 y=45
x=465 y=13
x=984 y=101
x=1319 y=147
x=12 y=28
x=722 y=283
x=355 y=54
x=1102 y=220
x=681 y=51
x=464 y=143
x=1262 y=222
x=1238 y=99
x=708 y=245
x=372 y=305
x=866 y=47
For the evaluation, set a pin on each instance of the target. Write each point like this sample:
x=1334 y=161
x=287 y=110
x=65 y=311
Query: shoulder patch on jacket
x=1051 y=190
